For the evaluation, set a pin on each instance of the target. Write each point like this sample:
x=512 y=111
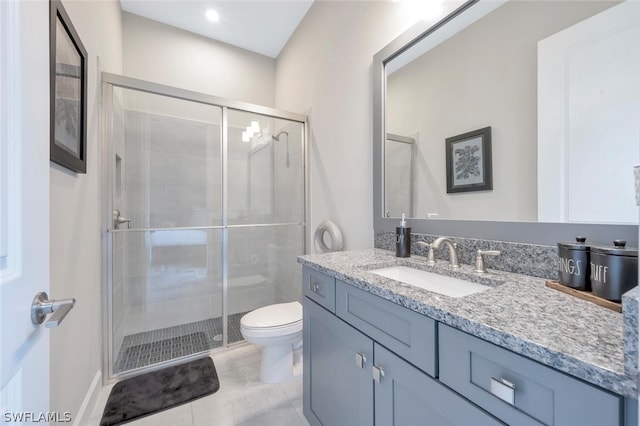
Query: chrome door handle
x=42 y=306
x=119 y=220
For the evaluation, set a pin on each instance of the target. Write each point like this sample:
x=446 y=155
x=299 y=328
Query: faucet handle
x=479 y=264
x=431 y=257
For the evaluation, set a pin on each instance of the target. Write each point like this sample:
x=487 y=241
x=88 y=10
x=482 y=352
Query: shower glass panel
x=167 y=268
x=398 y=176
x=265 y=184
x=204 y=220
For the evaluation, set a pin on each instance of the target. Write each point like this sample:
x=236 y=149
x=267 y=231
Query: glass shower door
x=265 y=218
x=205 y=206
x=166 y=239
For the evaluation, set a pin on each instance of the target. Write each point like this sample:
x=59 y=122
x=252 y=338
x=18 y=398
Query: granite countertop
x=519 y=313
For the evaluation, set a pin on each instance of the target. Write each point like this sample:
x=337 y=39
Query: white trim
x=10 y=138
x=88 y=405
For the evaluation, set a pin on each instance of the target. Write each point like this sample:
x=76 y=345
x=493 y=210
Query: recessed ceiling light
x=212 y=15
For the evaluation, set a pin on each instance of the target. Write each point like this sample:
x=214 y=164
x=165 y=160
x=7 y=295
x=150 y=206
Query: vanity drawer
x=320 y=288
x=537 y=394
x=409 y=334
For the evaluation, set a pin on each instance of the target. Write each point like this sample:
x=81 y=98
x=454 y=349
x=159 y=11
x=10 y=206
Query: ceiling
x=261 y=26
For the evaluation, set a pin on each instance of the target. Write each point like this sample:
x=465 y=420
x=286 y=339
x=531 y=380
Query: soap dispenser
x=403 y=239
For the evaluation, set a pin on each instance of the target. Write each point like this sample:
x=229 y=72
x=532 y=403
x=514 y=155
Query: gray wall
x=167 y=55
x=325 y=71
x=75 y=244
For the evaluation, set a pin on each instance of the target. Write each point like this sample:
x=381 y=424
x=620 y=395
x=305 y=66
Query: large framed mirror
x=556 y=81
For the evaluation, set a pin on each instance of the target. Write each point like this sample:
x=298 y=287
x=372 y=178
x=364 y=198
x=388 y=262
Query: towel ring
x=335 y=237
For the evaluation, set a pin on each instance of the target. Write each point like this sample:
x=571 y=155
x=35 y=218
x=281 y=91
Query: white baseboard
x=85 y=412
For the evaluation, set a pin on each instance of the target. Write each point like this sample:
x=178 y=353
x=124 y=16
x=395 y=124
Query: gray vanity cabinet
x=519 y=390
x=351 y=379
x=337 y=391
x=407 y=396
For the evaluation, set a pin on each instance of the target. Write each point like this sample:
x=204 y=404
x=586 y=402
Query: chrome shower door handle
x=119 y=220
x=42 y=306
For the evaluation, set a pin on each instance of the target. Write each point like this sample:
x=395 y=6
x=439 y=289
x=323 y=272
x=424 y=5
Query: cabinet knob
x=378 y=373
x=361 y=359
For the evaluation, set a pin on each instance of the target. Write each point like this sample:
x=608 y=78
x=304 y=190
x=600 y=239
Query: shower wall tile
x=178 y=136
x=182 y=197
x=134 y=260
x=243 y=299
x=134 y=131
x=163 y=314
x=164 y=258
x=210 y=283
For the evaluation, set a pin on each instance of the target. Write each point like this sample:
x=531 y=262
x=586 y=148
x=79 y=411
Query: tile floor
x=241 y=401
x=150 y=347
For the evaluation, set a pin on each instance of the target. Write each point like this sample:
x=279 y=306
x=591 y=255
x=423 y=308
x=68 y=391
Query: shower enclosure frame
x=109 y=81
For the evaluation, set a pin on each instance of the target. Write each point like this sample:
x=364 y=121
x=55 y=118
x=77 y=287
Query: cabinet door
x=407 y=396
x=338 y=389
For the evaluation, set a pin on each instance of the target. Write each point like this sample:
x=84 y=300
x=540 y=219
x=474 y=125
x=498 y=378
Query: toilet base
x=277 y=364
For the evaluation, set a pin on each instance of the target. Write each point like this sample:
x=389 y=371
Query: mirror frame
x=520 y=232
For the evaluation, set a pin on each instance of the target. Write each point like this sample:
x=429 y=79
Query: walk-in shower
x=203 y=220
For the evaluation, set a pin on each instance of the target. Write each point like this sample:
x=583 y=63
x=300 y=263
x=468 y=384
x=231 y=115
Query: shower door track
x=109 y=81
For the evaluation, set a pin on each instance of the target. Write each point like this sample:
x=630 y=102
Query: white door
x=24 y=209
x=588 y=126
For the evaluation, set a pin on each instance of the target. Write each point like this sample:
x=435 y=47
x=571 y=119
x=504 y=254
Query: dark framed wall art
x=468 y=159
x=68 y=91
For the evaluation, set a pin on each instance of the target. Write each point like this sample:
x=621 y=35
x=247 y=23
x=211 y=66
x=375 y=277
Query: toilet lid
x=273 y=315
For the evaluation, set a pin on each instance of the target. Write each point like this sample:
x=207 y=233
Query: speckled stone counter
x=519 y=313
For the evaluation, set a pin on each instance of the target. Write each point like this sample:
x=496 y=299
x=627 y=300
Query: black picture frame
x=68 y=92
x=468 y=158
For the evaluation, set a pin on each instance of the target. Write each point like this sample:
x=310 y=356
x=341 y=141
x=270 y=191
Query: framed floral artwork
x=468 y=159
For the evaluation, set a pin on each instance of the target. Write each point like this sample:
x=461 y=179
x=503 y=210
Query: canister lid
x=579 y=244
x=619 y=248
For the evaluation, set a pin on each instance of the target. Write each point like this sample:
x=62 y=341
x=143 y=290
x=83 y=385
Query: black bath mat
x=159 y=390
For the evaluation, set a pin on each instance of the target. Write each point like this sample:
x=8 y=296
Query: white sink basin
x=452 y=287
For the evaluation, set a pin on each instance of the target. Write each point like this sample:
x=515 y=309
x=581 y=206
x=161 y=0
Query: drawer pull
x=315 y=287
x=503 y=389
x=361 y=359
x=378 y=374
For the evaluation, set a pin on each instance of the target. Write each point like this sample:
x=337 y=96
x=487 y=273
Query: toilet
x=278 y=330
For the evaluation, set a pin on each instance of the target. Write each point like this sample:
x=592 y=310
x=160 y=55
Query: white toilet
x=278 y=330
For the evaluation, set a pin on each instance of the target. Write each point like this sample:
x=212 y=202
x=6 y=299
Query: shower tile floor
x=142 y=349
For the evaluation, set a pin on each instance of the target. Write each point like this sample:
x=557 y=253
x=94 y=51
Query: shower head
x=277 y=137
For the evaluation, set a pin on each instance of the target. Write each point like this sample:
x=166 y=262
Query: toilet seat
x=278 y=316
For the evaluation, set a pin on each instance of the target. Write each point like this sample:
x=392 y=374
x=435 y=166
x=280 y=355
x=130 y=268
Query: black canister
x=573 y=264
x=614 y=270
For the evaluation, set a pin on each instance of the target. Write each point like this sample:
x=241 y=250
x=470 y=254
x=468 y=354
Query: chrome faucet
x=453 y=250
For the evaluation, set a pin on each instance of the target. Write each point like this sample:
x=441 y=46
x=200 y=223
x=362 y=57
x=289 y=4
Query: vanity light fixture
x=212 y=15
